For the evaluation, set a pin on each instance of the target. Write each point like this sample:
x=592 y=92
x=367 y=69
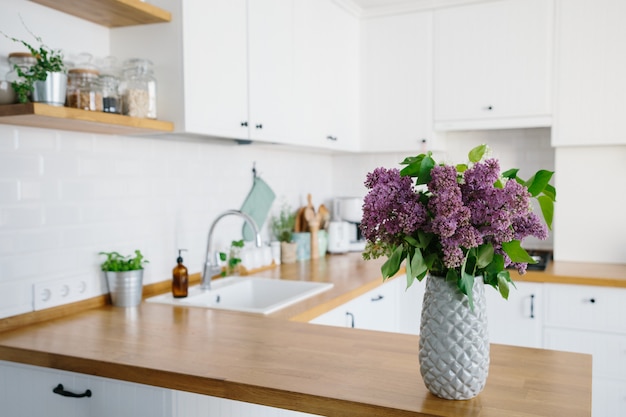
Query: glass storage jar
x=139 y=89
x=19 y=62
x=83 y=89
x=111 y=99
x=7 y=94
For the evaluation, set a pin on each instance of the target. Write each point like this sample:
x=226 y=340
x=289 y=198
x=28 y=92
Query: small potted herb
x=124 y=276
x=46 y=80
x=282 y=227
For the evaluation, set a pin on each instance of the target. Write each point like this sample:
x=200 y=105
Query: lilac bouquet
x=457 y=222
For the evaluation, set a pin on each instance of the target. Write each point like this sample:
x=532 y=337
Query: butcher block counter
x=289 y=364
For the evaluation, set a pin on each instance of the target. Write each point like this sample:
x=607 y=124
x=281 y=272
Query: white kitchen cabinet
x=410 y=302
x=27 y=391
x=270 y=69
x=325 y=61
x=517 y=320
x=590 y=67
x=493 y=64
x=224 y=67
x=374 y=310
x=590 y=320
x=396 y=83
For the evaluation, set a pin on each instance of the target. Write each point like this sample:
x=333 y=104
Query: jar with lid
x=20 y=62
x=110 y=82
x=83 y=89
x=139 y=89
x=7 y=94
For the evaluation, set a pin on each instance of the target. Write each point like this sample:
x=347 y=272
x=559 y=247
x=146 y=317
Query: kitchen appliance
x=344 y=232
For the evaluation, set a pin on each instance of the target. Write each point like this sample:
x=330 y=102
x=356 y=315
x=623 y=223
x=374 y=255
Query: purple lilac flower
x=391 y=209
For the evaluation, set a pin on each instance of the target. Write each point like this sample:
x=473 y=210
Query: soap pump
x=180 y=278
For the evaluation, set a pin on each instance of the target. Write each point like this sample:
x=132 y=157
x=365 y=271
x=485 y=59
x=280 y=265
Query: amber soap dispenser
x=180 y=278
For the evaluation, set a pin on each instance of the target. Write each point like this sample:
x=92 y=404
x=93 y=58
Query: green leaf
x=484 y=255
x=477 y=154
x=547 y=209
x=413 y=164
x=460 y=168
x=412 y=241
x=418 y=265
x=223 y=256
x=466 y=285
x=503 y=284
x=538 y=182
x=424 y=173
x=550 y=192
x=392 y=265
x=516 y=252
x=511 y=173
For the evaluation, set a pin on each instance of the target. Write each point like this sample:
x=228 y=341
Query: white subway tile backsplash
x=8 y=139
x=14 y=165
x=15 y=297
x=14 y=217
x=61 y=214
x=39 y=140
x=8 y=191
x=36 y=240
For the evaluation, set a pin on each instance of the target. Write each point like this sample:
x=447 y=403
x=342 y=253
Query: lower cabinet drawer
x=608 y=350
x=585 y=307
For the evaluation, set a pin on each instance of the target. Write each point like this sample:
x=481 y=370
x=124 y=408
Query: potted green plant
x=46 y=80
x=124 y=275
x=282 y=227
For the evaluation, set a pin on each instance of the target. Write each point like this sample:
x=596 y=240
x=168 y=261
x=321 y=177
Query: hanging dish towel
x=257 y=205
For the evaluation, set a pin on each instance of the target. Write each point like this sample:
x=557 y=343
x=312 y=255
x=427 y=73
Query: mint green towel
x=257 y=205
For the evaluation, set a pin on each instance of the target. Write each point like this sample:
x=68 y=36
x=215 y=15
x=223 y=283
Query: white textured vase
x=454 y=340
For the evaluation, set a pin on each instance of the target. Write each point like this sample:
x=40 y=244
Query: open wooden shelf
x=66 y=118
x=111 y=13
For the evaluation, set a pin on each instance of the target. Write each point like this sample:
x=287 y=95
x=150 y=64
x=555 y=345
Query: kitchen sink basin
x=247 y=294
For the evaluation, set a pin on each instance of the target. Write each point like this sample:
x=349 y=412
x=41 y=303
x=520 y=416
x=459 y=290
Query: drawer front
x=586 y=307
x=608 y=350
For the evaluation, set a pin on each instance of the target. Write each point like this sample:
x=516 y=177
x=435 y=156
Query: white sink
x=248 y=294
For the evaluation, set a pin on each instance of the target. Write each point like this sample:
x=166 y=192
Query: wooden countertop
x=288 y=364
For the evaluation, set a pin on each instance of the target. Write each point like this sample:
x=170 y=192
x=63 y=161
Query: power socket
x=61 y=291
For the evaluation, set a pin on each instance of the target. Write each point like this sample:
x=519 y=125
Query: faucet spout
x=211 y=262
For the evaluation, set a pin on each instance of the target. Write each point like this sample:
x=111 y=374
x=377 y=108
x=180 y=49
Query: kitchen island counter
x=287 y=364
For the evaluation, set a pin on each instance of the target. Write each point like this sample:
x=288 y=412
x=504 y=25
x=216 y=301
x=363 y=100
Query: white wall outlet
x=61 y=291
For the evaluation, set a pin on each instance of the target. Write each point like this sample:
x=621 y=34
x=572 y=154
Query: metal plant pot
x=52 y=90
x=125 y=287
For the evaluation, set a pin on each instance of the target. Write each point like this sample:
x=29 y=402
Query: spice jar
x=83 y=89
x=7 y=94
x=139 y=89
x=110 y=82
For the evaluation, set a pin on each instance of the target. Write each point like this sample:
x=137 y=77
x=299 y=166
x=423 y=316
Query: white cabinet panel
x=493 y=65
x=27 y=391
x=326 y=57
x=586 y=307
x=410 y=302
x=374 y=310
x=590 y=67
x=270 y=69
x=396 y=85
x=609 y=398
x=519 y=320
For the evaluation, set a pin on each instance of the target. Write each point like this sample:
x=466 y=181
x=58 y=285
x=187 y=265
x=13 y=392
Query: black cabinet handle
x=244 y=124
x=592 y=300
x=333 y=138
x=378 y=298
x=59 y=390
x=351 y=318
x=532 y=306
x=259 y=126
x=489 y=108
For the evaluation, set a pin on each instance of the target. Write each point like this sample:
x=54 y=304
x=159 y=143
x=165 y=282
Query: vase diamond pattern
x=454 y=340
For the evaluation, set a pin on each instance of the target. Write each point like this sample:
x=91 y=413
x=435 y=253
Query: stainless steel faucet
x=211 y=263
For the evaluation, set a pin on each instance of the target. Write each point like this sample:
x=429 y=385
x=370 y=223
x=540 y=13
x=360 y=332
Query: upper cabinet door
x=326 y=57
x=270 y=69
x=493 y=65
x=215 y=67
x=590 y=73
x=396 y=85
